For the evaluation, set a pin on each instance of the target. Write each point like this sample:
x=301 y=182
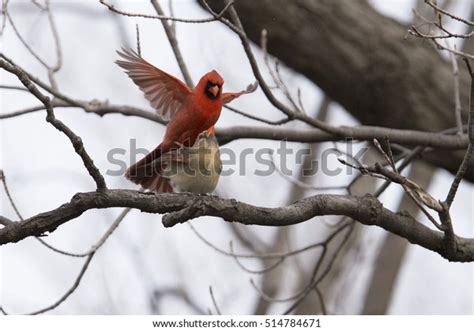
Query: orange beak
x=214 y=90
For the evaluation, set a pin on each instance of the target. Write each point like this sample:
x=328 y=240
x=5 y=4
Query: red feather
x=228 y=97
x=166 y=93
x=189 y=111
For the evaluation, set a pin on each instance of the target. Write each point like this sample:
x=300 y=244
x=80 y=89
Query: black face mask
x=209 y=93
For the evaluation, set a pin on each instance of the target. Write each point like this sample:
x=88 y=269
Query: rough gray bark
x=183 y=207
x=360 y=59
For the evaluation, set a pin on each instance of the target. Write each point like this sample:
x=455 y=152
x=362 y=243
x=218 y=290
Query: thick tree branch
x=5 y=221
x=404 y=137
x=442 y=140
x=183 y=207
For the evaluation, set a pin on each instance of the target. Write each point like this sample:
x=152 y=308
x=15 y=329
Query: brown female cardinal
x=189 y=112
x=191 y=169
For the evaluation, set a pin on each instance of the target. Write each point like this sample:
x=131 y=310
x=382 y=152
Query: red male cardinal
x=189 y=111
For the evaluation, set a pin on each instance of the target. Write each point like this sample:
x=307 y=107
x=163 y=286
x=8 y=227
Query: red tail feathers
x=146 y=173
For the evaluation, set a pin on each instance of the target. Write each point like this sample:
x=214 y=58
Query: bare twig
x=180 y=293
x=301 y=184
x=406 y=161
x=94 y=106
x=414 y=31
x=457 y=94
x=321 y=300
x=9 y=196
x=453 y=51
x=214 y=302
x=275 y=74
x=139 y=50
x=414 y=191
x=98 y=244
x=171 y=10
x=24 y=42
x=465 y=162
x=263 y=256
x=57 y=46
x=11 y=87
x=74 y=139
x=170 y=33
x=318 y=280
x=410 y=156
x=162 y=17
x=258 y=119
x=261 y=271
x=88 y=254
x=4 y=14
x=314 y=280
x=447 y=13
x=71 y=289
x=37 y=4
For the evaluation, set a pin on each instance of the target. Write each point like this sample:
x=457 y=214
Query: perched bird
x=191 y=169
x=189 y=112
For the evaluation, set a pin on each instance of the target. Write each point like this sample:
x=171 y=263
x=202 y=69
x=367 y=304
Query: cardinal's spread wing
x=228 y=97
x=166 y=93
